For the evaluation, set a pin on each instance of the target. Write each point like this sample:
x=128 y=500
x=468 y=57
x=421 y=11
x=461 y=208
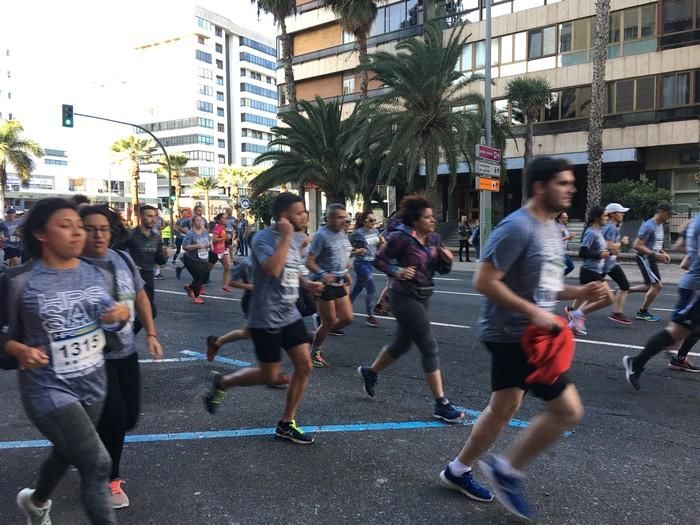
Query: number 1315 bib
x=73 y=351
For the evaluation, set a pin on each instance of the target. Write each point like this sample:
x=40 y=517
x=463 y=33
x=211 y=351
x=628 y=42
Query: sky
x=78 y=52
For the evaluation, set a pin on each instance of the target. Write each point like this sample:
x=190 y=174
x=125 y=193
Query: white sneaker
x=119 y=498
x=35 y=515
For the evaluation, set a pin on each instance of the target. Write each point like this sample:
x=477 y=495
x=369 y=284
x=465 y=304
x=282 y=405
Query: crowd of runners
x=70 y=313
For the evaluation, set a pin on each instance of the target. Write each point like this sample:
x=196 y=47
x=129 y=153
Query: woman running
x=218 y=249
x=562 y=221
x=419 y=253
x=55 y=308
x=365 y=238
x=122 y=405
x=196 y=258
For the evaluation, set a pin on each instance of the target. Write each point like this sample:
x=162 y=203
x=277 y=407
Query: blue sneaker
x=447 y=412
x=507 y=489
x=644 y=315
x=466 y=484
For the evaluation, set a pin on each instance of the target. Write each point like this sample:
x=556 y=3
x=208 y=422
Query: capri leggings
x=414 y=327
x=364 y=281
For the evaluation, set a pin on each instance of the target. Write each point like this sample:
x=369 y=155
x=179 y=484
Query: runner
x=218 y=250
x=158 y=228
x=230 y=232
x=562 y=221
x=594 y=252
x=328 y=262
x=54 y=306
x=419 y=252
x=196 y=259
x=382 y=306
x=685 y=320
x=122 y=404
x=12 y=241
x=521 y=275
x=182 y=226
x=649 y=247
x=274 y=319
x=612 y=234
x=367 y=240
x=147 y=250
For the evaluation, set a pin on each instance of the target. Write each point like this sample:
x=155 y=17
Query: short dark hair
x=147 y=207
x=283 y=202
x=543 y=169
x=80 y=199
x=119 y=233
x=218 y=216
x=36 y=221
x=664 y=207
x=595 y=214
x=361 y=217
x=332 y=208
x=411 y=208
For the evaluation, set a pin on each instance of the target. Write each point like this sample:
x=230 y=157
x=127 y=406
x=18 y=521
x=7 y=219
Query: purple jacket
x=406 y=250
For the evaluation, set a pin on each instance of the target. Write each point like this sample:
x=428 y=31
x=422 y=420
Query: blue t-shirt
x=59 y=312
x=332 y=250
x=192 y=237
x=273 y=301
x=367 y=239
x=652 y=234
x=593 y=240
x=531 y=255
x=691 y=279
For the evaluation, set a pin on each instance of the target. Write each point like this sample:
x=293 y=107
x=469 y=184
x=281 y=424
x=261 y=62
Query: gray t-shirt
x=182 y=223
x=367 y=239
x=613 y=233
x=332 y=250
x=59 y=312
x=652 y=234
x=192 y=237
x=9 y=229
x=273 y=301
x=691 y=279
x=593 y=240
x=243 y=271
x=531 y=255
x=129 y=284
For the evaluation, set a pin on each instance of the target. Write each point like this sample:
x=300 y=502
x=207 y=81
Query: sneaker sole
x=628 y=370
x=618 y=321
x=364 y=385
x=120 y=506
x=499 y=492
x=209 y=393
x=682 y=369
x=293 y=440
x=371 y=324
x=452 y=421
x=453 y=486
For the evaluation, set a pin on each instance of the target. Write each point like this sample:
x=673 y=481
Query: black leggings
x=414 y=327
x=463 y=245
x=121 y=409
x=199 y=270
x=178 y=247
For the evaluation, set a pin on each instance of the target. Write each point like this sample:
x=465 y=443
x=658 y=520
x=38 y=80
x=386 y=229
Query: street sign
x=488 y=153
x=486 y=184
x=245 y=203
x=489 y=169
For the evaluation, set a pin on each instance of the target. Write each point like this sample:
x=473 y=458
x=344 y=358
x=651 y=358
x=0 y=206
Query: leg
x=656 y=344
x=112 y=426
x=688 y=345
x=462 y=243
x=326 y=311
x=263 y=374
x=343 y=313
x=226 y=262
x=359 y=284
x=233 y=336
x=619 y=302
x=369 y=296
x=597 y=305
x=149 y=286
x=301 y=360
x=654 y=290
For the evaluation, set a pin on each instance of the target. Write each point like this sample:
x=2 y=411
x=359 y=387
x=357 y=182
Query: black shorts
x=617 y=274
x=331 y=293
x=11 y=253
x=649 y=268
x=268 y=342
x=509 y=369
x=245 y=302
x=589 y=276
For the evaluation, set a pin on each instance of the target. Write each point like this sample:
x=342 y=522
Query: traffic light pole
x=485 y=196
x=167 y=157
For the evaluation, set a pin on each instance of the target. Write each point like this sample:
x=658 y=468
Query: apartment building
x=652 y=125
x=7 y=83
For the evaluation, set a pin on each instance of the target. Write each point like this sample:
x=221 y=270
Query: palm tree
x=17 y=152
x=425 y=87
x=356 y=17
x=235 y=177
x=280 y=11
x=314 y=145
x=178 y=164
x=601 y=38
x=134 y=150
x=203 y=186
x=528 y=96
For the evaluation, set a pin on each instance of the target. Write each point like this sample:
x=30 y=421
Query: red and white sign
x=488 y=153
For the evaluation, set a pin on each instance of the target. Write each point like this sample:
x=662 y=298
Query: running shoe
x=318 y=361
x=212 y=347
x=336 y=332
x=202 y=290
x=630 y=374
x=158 y=277
x=620 y=319
x=644 y=315
x=372 y=321
x=369 y=378
x=281 y=383
x=447 y=412
x=178 y=272
x=118 y=496
x=293 y=433
x=507 y=489
x=35 y=515
x=578 y=325
x=197 y=300
x=213 y=394
x=226 y=289
x=684 y=365
x=378 y=309
x=189 y=291
x=466 y=484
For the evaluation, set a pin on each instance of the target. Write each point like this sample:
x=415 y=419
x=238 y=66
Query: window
x=219 y=80
x=565 y=33
x=257 y=119
x=249 y=42
x=218 y=31
x=219 y=48
x=378 y=24
x=615 y=19
x=221 y=143
x=220 y=112
x=506 y=49
x=206 y=90
x=644 y=96
x=631 y=24
x=258 y=90
x=220 y=64
x=253 y=148
x=207 y=107
x=204 y=24
x=467 y=63
x=648 y=21
x=697 y=87
x=568 y=104
x=55 y=162
x=675 y=90
x=76 y=184
x=396 y=17
x=348 y=84
x=200 y=155
x=220 y=128
x=254 y=59
x=256 y=104
x=520 y=47
x=480 y=55
x=677 y=15
x=220 y=95
x=205 y=73
x=142 y=188
x=625 y=96
x=551 y=110
x=222 y=159
x=542 y=42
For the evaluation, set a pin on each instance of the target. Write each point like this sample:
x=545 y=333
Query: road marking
x=217 y=297
x=171 y=360
x=217 y=359
x=432 y=323
x=458 y=293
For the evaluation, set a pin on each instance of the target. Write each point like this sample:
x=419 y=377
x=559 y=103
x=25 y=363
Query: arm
x=241 y=285
x=143 y=309
x=274 y=265
x=161 y=253
x=189 y=245
x=641 y=247
x=382 y=261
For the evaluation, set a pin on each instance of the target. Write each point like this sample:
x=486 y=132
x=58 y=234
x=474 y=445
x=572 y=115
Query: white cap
x=614 y=207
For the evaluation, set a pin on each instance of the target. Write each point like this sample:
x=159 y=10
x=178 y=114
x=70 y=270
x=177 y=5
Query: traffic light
x=67 y=116
x=173 y=194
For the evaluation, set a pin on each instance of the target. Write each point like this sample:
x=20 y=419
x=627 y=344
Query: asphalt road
x=633 y=460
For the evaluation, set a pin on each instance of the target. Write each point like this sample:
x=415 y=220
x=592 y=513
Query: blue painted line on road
x=217 y=359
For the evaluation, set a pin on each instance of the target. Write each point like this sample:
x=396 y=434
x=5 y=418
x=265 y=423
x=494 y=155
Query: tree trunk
x=290 y=86
x=135 y=171
x=3 y=185
x=527 y=157
x=364 y=75
x=177 y=182
x=206 y=206
x=595 y=130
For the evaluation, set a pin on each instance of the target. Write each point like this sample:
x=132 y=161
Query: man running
x=12 y=242
x=613 y=236
x=521 y=274
x=649 y=246
x=274 y=320
x=328 y=262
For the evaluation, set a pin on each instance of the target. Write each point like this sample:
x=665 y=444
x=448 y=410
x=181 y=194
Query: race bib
x=73 y=351
x=14 y=238
x=290 y=284
x=551 y=283
x=203 y=254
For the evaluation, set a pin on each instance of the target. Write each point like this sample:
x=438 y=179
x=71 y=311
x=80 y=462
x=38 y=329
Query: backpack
x=12 y=283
